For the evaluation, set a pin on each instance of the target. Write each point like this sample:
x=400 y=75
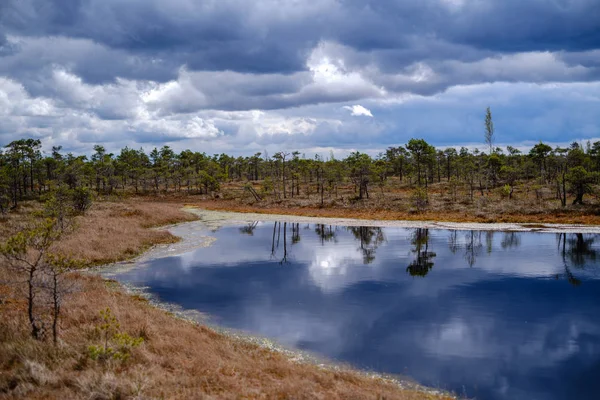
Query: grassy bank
x=529 y=204
x=579 y=216
x=177 y=359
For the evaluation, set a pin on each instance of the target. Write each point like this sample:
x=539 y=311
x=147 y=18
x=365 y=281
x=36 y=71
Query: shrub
x=81 y=199
x=116 y=345
x=453 y=185
x=267 y=185
x=418 y=198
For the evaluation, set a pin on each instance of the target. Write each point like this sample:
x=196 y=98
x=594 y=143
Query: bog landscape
x=299 y=200
x=69 y=332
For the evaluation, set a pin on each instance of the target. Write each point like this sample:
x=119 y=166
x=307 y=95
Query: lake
x=489 y=315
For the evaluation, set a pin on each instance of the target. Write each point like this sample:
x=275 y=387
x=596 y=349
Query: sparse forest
x=405 y=177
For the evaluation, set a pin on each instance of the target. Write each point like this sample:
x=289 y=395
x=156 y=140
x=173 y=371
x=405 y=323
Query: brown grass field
x=178 y=359
x=394 y=203
x=559 y=217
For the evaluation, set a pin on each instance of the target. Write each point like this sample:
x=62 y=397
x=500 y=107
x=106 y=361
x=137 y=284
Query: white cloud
x=15 y=101
x=358 y=110
x=324 y=107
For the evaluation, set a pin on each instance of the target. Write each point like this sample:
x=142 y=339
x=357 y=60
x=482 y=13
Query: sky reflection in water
x=490 y=315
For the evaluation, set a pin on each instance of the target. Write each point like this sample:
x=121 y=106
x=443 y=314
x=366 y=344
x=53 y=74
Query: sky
x=242 y=77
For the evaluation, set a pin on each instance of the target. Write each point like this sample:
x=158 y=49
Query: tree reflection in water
x=273 y=246
x=472 y=244
x=489 y=241
x=510 y=240
x=295 y=233
x=326 y=233
x=453 y=244
x=370 y=238
x=249 y=229
x=580 y=249
x=473 y=247
x=276 y=239
x=576 y=251
x=423 y=263
x=285 y=253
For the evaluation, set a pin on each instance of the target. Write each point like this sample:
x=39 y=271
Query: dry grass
x=13 y=222
x=114 y=231
x=394 y=203
x=178 y=360
x=110 y=231
x=558 y=217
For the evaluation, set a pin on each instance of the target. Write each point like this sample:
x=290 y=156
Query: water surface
x=488 y=315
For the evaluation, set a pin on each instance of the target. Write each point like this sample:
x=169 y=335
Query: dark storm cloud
x=267 y=37
x=32 y=60
x=233 y=92
x=532 y=25
x=206 y=35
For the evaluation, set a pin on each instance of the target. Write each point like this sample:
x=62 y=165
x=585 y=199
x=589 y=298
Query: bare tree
x=282 y=155
x=26 y=255
x=57 y=286
x=489 y=130
x=38 y=274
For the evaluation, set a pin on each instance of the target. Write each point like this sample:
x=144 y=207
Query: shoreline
x=185 y=355
x=217 y=218
x=293 y=355
x=195 y=235
x=567 y=217
x=191 y=234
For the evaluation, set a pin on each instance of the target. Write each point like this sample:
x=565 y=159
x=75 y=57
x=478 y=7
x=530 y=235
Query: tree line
x=27 y=173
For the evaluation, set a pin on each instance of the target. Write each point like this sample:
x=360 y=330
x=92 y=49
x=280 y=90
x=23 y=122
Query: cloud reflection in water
x=493 y=315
